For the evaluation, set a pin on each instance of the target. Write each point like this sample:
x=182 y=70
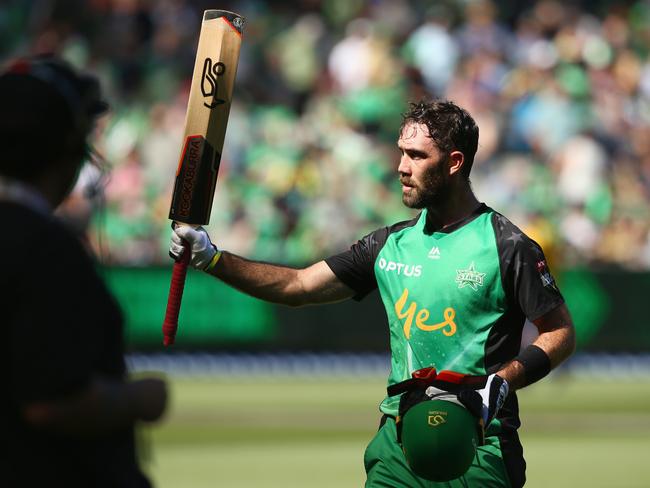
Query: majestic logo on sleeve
x=411 y=314
x=469 y=277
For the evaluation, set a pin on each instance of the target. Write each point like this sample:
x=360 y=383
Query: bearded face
x=428 y=189
x=423 y=171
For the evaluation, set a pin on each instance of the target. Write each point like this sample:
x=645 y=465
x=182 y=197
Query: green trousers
x=386 y=466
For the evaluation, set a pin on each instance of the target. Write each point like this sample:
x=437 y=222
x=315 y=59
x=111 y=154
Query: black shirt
x=61 y=328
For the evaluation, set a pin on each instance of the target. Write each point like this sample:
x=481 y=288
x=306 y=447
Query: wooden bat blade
x=207 y=117
x=206 y=120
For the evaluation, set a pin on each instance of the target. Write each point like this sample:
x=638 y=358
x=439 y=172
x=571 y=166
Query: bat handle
x=170 y=325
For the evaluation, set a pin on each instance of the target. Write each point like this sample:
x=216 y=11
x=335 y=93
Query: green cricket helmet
x=439 y=439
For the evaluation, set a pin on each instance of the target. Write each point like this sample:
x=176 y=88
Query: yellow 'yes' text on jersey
x=447 y=326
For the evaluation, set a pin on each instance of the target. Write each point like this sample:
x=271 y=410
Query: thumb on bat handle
x=179 y=271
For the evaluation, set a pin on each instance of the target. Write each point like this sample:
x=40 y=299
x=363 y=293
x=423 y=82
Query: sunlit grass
x=297 y=432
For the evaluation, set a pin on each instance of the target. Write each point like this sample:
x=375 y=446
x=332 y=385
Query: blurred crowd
x=560 y=91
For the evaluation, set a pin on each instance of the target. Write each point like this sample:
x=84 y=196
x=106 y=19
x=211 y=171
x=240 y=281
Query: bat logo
x=210 y=82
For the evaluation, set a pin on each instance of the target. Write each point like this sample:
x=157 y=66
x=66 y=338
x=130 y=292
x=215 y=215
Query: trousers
x=386 y=466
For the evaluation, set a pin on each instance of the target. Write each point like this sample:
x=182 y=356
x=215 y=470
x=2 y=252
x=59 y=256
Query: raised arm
x=280 y=284
x=271 y=282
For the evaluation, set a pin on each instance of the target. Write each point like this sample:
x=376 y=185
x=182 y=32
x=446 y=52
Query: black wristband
x=536 y=363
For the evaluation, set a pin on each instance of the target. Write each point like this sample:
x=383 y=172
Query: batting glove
x=204 y=254
x=483 y=396
x=486 y=402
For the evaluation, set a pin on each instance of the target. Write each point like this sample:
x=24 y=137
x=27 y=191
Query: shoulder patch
x=545 y=275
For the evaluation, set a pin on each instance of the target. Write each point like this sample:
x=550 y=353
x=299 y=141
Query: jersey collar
x=448 y=229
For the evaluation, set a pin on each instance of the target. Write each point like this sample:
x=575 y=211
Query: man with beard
x=458 y=283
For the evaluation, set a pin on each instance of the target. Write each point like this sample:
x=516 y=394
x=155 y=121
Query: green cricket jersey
x=455 y=299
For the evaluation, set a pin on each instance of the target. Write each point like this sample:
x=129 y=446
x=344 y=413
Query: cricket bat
x=205 y=128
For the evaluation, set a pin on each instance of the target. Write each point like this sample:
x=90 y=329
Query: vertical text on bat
x=192 y=157
x=210 y=82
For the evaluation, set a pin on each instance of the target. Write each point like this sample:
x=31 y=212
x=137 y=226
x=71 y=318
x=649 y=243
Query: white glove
x=490 y=397
x=482 y=395
x=204 y=253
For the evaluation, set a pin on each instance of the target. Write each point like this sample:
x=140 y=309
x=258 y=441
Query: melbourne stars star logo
x=469 y=277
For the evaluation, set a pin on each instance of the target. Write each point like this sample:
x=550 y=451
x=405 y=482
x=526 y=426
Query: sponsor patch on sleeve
x=545 y=275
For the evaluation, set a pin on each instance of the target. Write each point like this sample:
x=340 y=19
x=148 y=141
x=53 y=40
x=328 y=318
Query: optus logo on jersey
x=421 y=316
x=400 y=268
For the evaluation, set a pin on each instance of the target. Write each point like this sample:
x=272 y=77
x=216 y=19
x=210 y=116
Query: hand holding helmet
x=443 y=417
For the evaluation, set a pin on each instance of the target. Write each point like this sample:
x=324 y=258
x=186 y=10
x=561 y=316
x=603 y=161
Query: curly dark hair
x=450 y=127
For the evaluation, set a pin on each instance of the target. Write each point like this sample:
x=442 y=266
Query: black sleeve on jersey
x=356 y=266
x=65 y=326
x=526 y=278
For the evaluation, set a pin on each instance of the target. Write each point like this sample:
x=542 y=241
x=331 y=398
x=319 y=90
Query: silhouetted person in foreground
x=68 y=412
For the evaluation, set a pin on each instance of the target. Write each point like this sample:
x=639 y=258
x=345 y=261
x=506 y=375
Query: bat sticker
x=191 y=202
x=211 y=71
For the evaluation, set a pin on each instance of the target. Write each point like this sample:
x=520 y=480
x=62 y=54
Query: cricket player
x=67 y=412
x=458 y=282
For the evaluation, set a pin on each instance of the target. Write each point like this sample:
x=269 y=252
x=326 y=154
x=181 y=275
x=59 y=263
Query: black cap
x=48 y=109
x=81 y=91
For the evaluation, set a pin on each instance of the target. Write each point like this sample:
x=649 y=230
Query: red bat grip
x=170 y=325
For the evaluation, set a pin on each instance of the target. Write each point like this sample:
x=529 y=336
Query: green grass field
x=289 y=432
